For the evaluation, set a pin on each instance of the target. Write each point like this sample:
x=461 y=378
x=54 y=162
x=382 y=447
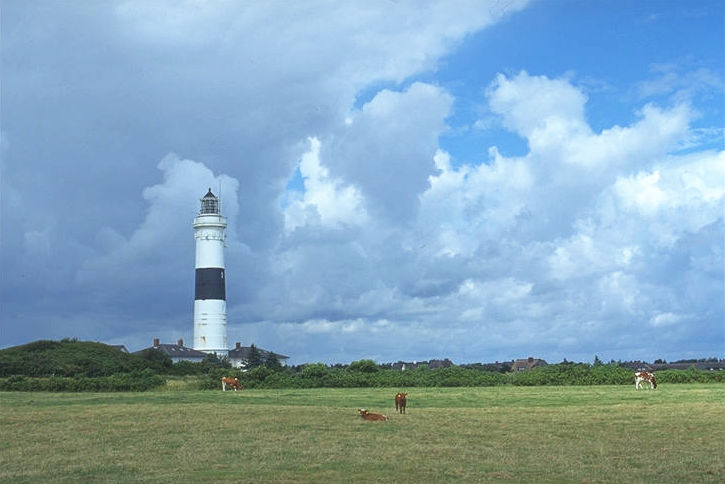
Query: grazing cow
x=232 y=382
x=400 y=402
x=371 y=416
x=644 y=376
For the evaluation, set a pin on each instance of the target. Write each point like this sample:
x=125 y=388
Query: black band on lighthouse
x=210 y=284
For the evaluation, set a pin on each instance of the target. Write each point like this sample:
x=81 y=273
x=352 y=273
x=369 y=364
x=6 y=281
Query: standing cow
x=231 y=382
x=644 y=377
x=400 y=402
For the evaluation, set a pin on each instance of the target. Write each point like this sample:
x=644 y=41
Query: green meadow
x=499 y=434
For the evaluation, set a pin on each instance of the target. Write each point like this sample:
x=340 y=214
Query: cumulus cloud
x=601 y=263
x=324 y=200
x=522 y=245
x=354 y=41
x=681 y=82
x=549 y=113
x=532 y=104
x=387 y=148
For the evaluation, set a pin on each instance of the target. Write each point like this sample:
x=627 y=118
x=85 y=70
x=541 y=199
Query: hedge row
x=127 y=382
x=319 y=376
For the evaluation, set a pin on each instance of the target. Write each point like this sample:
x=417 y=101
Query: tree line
x=70 y=365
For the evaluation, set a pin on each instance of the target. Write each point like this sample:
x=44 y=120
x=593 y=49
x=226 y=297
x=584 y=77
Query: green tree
x=364 y=366
x=212 y=362
x=314 y=370
x=157 y=358
x=254 y=358
x=272 y=362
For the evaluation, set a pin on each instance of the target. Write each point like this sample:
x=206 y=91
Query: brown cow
x=232 y=382
x=400 y=402
x=371 y=416
x=644 y=377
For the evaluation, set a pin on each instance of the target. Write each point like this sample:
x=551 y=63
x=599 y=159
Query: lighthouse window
x=209 y=205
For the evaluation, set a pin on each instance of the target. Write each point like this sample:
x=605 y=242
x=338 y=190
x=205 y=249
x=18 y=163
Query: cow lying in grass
x=371 y=416
x=400 y=402
x=232 y=382
x=644 y=377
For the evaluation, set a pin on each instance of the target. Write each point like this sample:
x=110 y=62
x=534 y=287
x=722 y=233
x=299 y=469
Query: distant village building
x=177 y=352
x=527 y=364
x=709 y=365
x=412 y=365
x=240 y=355
x=237 y=357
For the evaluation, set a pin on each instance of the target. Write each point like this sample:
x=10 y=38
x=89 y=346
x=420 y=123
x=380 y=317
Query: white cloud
x=625 y=208
x=325 y=201
x=354 y=40
x=683 y=82
x=471 y=203
x=665 y=319
x=536 y=245
x=641 y=192
x=550 y=114
x=681 y=195
x=388 y=148
x=533 y=106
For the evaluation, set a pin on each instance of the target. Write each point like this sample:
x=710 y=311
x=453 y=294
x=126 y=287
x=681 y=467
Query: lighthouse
x=210 y=305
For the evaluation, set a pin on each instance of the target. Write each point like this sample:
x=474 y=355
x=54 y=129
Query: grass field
x=511 y=434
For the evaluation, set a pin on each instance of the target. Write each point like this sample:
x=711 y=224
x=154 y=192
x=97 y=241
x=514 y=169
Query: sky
x=474 y=180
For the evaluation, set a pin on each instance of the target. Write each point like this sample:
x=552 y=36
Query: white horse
x=642 y=377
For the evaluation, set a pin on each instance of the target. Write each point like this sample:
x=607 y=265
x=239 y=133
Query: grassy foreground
x=518 y=434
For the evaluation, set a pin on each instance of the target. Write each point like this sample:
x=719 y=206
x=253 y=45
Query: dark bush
x=363 y=366
x=137 y=382
x=69 y=358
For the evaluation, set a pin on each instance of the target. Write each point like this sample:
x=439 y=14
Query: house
x=239 y=355
x=527 y=364
x=698 y=365
x=121 y=348
x=446 y=363
x=177 y=352
x=711 y=365
x=638 y=366
x=412 y=365
x=498 y=366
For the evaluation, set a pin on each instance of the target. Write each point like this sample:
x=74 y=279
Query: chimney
x=239 y=345
x=156 y=341
x=181 y=342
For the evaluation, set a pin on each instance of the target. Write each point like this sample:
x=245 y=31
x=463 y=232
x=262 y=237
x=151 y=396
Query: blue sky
x=476 y=180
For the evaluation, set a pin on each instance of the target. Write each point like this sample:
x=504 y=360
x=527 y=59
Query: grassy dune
x=516 y=434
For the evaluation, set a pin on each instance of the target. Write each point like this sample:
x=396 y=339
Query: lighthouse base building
x=210 y=296
x=210 y=299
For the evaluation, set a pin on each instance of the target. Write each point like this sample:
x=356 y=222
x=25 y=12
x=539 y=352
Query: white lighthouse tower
x=210 y=305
